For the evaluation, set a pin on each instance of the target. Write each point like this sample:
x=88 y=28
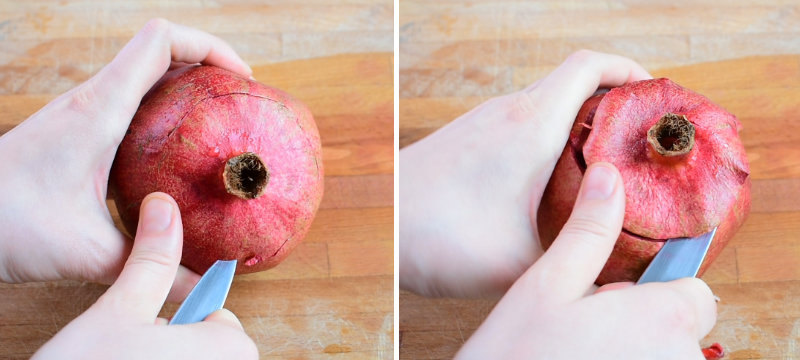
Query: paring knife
x=678 y=258
x=208 y=295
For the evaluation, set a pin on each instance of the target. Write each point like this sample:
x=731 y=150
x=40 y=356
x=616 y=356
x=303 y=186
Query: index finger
x=149 y=54
x=559 y=96
x=585 y=71
x=686 y=304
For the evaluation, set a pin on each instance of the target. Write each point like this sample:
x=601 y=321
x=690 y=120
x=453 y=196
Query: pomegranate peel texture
x=682 y=163
x=242 y=160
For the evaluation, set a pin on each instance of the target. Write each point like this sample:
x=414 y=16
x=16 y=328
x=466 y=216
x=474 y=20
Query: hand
x=547 y=315
x=54 y=222
x=468 y=189
x=123 y=323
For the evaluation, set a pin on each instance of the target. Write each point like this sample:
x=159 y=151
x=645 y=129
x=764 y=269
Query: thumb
x=572 y=263
x=147 y=277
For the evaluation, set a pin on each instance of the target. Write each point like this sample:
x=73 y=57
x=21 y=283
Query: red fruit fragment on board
x=714 y=352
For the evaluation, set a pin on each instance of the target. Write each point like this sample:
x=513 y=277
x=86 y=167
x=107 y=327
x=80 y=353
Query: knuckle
x=525 y=103
x=151 y=258
x=156 y=26
x=89 y=102
x=580 y=63
x=678 y=311
x=582 y=56
x=84 y=98
x=699 y=285
x=586 y=229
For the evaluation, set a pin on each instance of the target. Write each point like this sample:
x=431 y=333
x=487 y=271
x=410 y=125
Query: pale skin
x=468 y=201
x=54 y=222
x=124 y=323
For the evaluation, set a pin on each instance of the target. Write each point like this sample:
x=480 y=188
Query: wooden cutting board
x=757 y=276
x=333 y=296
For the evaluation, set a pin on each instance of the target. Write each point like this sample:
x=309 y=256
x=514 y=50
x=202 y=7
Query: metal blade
x=208 y=295
x=678 y=258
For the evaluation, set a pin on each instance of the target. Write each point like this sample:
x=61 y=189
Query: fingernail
x=156 y=215
x=598 y=184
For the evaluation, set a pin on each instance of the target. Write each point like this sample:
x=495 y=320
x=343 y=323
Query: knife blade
x=678 y=258
x=208 y=295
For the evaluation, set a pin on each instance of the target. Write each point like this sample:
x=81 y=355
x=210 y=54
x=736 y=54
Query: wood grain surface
x=742 y=55
x=333 y=296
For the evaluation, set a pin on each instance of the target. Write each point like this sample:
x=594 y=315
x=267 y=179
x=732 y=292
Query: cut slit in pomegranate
x=643 y=238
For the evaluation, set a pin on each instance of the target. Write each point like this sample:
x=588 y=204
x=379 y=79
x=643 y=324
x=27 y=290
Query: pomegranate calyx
x=672 y=135
x=245 y=176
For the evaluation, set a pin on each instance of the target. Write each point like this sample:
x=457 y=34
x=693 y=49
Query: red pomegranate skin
x=666 y=197
x=184 y=132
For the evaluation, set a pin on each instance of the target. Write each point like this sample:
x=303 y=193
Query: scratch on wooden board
x=445 y=24
x=5 y=29
x=385 y=341
x=460 y=332
x=748 y=337
x=40 y=19
x=323 y=330
x=791 y=346
x=336 y=349
x=407 y=31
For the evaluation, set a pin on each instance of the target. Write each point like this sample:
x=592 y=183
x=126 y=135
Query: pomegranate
x=242 y=160
x=682 y=164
